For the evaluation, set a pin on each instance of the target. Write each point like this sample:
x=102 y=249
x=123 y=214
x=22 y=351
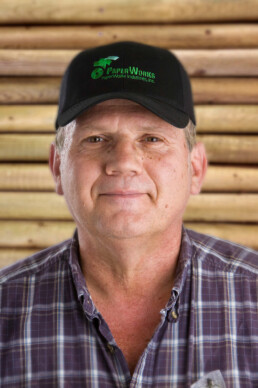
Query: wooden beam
x=238 y=233
x=9 y=256
x=204 y=207
x=210 y=118
x=39 y=206
x=220 y=148
x=40 y=90
x=42 y=234
x=226 y=118
x=27 y=118
x=223 y=208
x=37 y=177
x=231 y=149
x=219 y=63
x=25 y=147
x=122 y=11
x=26 y=177
x=34 y=234
x=30 y=90
x=231 y=179
x=184 y=36
x=236 y=62
x=225 y=90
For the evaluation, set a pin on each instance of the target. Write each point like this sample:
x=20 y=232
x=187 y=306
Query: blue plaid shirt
x=53 y=336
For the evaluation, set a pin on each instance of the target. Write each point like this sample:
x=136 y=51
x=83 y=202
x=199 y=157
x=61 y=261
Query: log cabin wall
x=217 y=41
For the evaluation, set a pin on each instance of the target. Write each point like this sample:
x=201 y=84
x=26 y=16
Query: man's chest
x=132 y=328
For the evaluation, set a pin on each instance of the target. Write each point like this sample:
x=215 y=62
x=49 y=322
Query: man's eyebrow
x=171 y=132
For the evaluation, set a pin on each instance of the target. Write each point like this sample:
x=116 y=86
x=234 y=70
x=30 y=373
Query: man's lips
x=125 y=194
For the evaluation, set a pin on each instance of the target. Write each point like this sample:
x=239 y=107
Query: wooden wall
x=217 y=41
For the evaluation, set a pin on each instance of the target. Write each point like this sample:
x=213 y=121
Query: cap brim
x=168 y=112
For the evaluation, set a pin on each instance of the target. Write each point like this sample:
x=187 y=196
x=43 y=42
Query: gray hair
x=189 y=130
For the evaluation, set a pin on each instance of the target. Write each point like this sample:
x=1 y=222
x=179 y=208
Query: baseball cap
x=150 y=76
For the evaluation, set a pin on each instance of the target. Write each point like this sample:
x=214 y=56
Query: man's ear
x=54 y=164
x=199 y=167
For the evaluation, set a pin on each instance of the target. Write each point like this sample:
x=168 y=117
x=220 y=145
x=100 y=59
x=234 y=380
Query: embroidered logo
x=104 y=69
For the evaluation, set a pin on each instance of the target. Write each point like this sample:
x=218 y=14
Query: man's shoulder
x=224 y=254
x=36 y=263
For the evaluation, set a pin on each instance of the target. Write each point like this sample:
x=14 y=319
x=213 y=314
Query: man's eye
x=152 y=139
x=94 y=139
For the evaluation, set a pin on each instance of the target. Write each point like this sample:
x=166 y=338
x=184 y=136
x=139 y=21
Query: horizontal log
x=223 y=208
x=25 y=147
x=210 y=118
x=236 y=62
x=37 y=177
x=231 y=149
x=34 y=234
x=219 y=62
x=226 y=118
x=231 y=179
x=35 y=62
x=220 y=148
x=42 y=234
x=40 y=90
x=41 y=206
x=26 y=177
x=30 y=90
x=238 y=233
x=9 y=256
x=204 y=207
x=225 y=90
x=237 y=35
x=28 y=118
x=122 y=11
x=39 y=235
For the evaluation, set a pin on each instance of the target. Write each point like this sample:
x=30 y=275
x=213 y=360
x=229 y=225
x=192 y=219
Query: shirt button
x=111 y=348
x=174 y=314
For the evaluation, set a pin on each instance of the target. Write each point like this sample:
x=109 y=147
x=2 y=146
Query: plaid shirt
x=53 y=336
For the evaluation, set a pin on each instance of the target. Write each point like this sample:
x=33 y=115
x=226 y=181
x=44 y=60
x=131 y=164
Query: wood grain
x=29 y=90
x=206 y=90
x=210 y=118
x=42 y=234
x=236 y=62
x=122 y=11
x=34 y=234
x=197 y=36
x=9 y=256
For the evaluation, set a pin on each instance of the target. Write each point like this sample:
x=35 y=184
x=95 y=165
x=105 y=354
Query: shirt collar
x=79 y=280
x=183 y=264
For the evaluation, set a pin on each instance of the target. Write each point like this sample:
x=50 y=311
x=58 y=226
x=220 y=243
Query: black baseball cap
x=151 y=76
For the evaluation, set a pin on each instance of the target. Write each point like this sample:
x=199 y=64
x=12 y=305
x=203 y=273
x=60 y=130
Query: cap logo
x=105 y=70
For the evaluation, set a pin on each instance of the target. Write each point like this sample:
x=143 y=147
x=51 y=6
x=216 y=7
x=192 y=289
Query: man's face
x=124 y=171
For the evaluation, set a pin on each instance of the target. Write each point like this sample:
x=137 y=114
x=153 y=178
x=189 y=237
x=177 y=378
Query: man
x=133 y=299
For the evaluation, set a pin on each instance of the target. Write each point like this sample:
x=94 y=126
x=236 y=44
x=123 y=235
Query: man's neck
x=129 y=267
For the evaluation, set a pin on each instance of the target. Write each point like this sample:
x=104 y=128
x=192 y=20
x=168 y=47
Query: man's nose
x=124 y=158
